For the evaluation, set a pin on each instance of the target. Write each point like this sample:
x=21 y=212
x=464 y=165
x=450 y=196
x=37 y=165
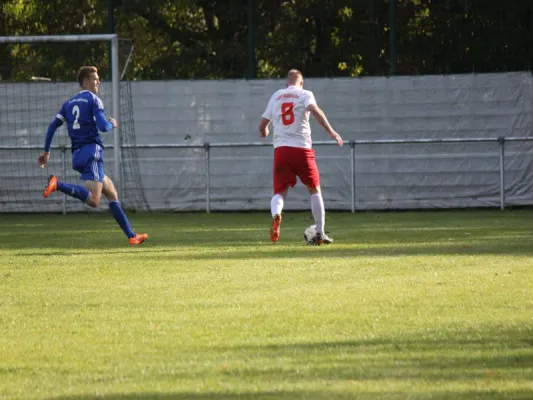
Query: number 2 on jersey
x=287 y=113
x=76 y=114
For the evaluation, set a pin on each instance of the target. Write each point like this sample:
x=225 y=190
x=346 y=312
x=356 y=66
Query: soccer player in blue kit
x=84 y=115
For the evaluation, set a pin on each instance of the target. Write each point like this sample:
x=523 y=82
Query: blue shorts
x=89 y=162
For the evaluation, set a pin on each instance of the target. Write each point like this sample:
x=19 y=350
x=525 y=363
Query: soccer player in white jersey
x=85 y=119
x=288 y=110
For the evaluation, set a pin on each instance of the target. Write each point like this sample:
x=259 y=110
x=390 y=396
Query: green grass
x=403 y=305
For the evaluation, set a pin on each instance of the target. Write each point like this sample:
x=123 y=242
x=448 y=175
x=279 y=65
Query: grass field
x=411 y=305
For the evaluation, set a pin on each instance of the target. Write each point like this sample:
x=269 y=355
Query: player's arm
x=102 y=123
x=267 y=117
x=50 y=132
x=323 y=121
x=263 y=127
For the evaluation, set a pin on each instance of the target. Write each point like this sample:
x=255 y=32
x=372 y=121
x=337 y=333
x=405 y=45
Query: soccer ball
x=310 y=235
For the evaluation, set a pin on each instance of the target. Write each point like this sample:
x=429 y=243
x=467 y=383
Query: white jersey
x=287 y=109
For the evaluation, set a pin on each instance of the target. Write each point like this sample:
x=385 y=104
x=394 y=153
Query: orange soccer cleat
x=51 y=186
x=139 y=238
x=322 y=239
x=274 y=229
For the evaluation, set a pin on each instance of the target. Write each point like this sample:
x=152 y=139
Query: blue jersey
x=84 y=115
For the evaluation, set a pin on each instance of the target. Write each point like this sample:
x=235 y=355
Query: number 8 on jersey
x=287 y=113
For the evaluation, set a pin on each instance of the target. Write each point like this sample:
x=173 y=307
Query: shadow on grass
x=255 y=250
x=469 y=368
x=373 y=360
x=323 y=395
x=242 y=236
x=472 y=369
x=488 y=363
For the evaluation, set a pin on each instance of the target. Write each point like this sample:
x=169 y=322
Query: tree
x=42 y=17
x=208 y=39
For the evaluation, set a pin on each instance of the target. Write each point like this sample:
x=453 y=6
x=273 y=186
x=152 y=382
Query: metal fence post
x=501 y=140
x=64 y=175
x=352 y=172
x=207 y=179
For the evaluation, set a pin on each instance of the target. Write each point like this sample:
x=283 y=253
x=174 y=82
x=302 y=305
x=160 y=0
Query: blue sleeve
x=101 y=122
x=56 y=123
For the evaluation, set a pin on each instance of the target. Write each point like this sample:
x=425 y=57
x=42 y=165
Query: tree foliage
x=209 y=39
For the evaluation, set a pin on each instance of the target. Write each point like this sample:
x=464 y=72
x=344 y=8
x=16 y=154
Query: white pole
x=115 y=79
x=57 y=38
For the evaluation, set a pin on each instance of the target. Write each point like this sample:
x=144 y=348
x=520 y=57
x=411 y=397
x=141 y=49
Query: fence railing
x=352 y=144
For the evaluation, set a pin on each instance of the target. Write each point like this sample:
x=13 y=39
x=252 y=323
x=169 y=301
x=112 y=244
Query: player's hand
x=335 y=136
x=113 y=121
x=264 y=134
x=43 y=159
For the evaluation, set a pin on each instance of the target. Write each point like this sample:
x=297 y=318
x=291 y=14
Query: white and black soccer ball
x=310 y=235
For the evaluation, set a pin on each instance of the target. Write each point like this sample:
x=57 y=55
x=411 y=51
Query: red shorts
x=292 y=162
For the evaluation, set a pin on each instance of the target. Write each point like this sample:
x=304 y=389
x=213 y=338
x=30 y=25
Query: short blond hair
x=293 y=74
x=85 y=72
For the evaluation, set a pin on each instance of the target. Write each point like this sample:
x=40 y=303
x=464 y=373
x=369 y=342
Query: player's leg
x=116 y=210
x=77 y=191
x=319 y=214
x=276 y=207
x=95 y=192
x=277 y=202
x=89 y=193
x=89 y=161
x=284 y=177
x=310 y=177
x=85 y=161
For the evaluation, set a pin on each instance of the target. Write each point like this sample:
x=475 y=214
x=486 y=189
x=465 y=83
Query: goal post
x=115 y=80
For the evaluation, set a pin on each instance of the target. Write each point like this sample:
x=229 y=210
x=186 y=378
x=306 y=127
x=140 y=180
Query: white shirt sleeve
x=309 y=99
x=268 y=114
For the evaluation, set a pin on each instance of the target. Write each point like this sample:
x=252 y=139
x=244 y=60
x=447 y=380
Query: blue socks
x=120 y=217
x=82 y=193
x=76 y=191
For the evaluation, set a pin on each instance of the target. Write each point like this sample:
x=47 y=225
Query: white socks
x=276 y=204
x=319 y=214
x=317 y=208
